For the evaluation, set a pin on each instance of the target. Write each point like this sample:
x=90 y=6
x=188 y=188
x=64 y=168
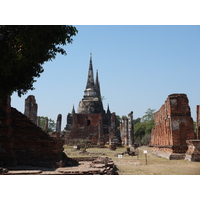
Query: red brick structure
x=173 y=126
x=87 y=126
x=24 y=143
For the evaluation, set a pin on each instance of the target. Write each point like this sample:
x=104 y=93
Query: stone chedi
x=91 y=122
x=173 y=127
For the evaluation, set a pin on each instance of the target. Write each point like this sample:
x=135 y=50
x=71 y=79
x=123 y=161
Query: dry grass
x=134 y=165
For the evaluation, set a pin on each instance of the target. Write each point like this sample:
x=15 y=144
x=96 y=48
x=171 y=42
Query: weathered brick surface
x=31 y=108
x=173 y=125
x=114 y=134
x=86 y=126
x=23 y=143
x=127 y=130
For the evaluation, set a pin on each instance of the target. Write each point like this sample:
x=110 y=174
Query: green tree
x=51 y=124
x=139 y=129
x=149 y=115
x=143 y=127
x=24 y=49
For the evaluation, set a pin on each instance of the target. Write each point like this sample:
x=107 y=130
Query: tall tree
x=149 y=115
x=23 y=51
x=143 y=127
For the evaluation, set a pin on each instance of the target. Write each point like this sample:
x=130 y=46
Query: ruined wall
x=86 y=126
x=173 y=125
x=114 y=135
x=23 y=143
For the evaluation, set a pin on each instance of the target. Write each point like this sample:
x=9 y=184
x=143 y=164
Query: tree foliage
x=149 y=115
x=51 y=124
x=143 y=127
x=24 y=49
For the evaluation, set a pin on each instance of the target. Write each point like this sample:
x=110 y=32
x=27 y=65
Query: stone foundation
x=168 y=153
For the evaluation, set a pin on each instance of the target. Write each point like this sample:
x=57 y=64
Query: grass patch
x=136 y=165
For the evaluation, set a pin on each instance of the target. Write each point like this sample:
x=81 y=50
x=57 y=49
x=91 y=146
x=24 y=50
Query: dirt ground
x=140 y=165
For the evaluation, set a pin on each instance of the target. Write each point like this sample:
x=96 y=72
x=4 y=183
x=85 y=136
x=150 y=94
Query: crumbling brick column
x=124 y=131
x=173 y=125
x=31 y=108
x=58 y=123
x=130 y=130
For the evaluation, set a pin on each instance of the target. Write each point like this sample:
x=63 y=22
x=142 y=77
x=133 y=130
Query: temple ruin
x=91 y=121
x=173 y=128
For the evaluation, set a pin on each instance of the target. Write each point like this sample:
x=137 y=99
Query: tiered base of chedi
x=22 y=142
x=173 y=136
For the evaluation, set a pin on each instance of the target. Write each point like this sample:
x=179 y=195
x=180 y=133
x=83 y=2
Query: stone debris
x=87 y=166
x=193 y=152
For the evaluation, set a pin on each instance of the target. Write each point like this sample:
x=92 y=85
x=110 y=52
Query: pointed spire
x=108 y=110
x=90 y=80
x=97 y=85
x=73 y=110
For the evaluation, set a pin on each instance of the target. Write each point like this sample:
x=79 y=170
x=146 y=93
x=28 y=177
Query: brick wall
x=173 y=124
x=23 y=143
x=86 y=126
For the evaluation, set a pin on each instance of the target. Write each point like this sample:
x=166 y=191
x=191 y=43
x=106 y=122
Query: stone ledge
x=169 y=155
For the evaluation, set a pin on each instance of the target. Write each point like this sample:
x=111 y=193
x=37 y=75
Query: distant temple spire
x=108 y=110
x=90 y=80
x=97 y=85
x=91 y=102
x=73 y=110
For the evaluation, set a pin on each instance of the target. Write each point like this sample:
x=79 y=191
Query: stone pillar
x=58 y=123
x=126 y=131
x=130 y=129
x=46 y=125
x=31 y=108
x=100 y=142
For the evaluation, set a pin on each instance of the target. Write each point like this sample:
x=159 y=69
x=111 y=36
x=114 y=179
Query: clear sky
x=139 y=66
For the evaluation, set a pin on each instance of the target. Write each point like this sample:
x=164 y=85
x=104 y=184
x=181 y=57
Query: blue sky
x=139 y=66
